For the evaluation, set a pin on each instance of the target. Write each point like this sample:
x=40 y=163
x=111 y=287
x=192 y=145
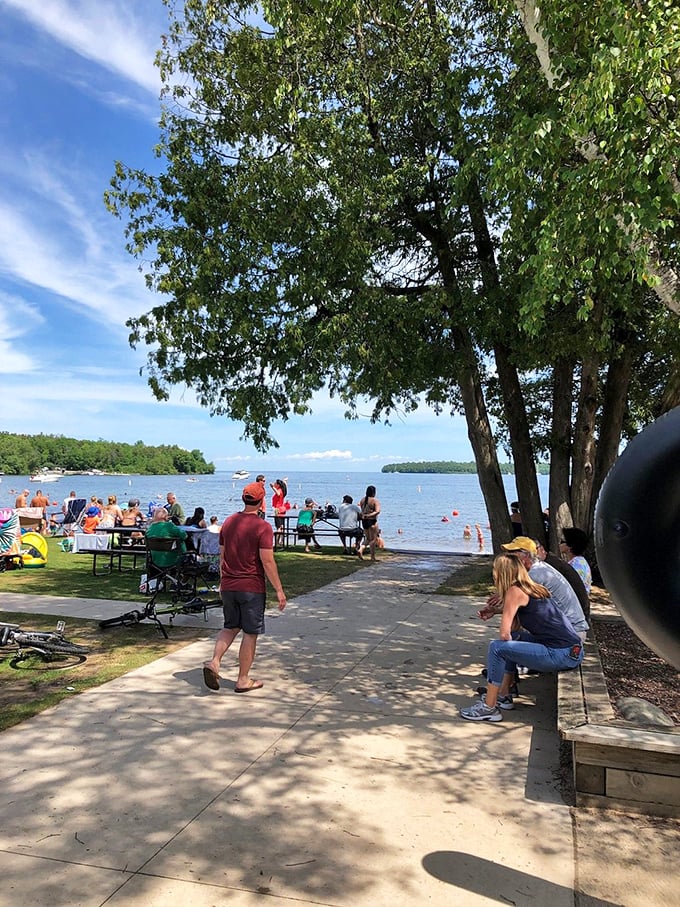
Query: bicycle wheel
x=32 y=660
x=129 y=619
x=49 y=644
x=64 y=647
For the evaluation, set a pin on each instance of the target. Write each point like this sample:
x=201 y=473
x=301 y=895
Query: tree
x=332 y=209
x=613 y=68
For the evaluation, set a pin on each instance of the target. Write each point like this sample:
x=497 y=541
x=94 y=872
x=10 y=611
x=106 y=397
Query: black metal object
x=637 y=535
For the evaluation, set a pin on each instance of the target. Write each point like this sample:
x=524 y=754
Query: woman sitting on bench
x=534 y=633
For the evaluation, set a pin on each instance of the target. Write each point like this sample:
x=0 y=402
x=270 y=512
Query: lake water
x=412 y=505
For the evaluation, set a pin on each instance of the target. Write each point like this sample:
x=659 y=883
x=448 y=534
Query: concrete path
x=348 y=780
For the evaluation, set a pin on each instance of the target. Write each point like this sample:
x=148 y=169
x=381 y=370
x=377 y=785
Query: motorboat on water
x=47 y=475
x=241 y=474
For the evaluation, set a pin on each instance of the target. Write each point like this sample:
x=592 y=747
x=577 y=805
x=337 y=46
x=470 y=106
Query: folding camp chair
x=180 y=577
x=73 y=518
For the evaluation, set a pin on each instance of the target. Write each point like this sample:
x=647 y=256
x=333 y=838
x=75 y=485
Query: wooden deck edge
x=626 y=735
x=616 y=764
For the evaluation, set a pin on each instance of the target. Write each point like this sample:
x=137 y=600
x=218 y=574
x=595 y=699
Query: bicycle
x=50 y=645
x=150 y=612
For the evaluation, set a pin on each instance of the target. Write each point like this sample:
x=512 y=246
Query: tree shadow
x=496 y=882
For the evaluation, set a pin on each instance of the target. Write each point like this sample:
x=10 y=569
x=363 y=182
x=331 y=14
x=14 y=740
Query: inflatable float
x=637 y=528
x=33 y=549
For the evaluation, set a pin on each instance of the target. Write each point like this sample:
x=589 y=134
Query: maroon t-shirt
x=241 y=537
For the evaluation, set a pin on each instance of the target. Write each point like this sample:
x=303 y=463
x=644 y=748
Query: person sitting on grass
x=533 y=632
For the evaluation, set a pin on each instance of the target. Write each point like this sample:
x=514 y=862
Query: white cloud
x=17 y=320
x=322 y=455
x=61 y=239
x=117 y=36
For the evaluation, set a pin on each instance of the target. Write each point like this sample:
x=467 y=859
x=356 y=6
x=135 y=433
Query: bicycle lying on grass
x=150 y=611
x=50 y=645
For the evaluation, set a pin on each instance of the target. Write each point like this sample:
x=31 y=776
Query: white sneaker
x=480 y=711
x=503 y=702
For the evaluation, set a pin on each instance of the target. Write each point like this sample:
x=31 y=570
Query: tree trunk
x=522 y=448
x=559 y=506
x=614 y=407
x=511 y=389
x=584 y=447
x=483 y=443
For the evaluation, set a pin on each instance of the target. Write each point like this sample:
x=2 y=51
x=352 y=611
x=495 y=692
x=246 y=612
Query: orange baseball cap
x=253 y=493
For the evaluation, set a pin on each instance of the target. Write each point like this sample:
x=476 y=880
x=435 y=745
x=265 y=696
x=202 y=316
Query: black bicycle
x=152 y=612
x=50 y=645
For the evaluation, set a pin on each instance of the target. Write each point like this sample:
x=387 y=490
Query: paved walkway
x=348 y=780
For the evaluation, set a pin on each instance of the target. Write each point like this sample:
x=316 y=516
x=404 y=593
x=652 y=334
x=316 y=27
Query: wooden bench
x=318 y=532
x=617 y=764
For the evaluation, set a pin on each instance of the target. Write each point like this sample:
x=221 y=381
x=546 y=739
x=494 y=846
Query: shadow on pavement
x=499 y=883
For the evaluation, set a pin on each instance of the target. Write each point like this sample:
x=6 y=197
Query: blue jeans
x=505 y=655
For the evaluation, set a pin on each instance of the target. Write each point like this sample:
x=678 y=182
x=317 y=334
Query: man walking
x=246 y=558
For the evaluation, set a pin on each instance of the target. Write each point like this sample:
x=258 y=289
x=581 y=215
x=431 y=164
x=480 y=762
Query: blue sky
x=80 y=91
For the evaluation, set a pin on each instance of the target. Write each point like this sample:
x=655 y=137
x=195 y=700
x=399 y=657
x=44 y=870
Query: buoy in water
x=454 y=512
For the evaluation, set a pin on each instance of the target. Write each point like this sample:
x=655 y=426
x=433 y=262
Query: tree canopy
x=383 y=197
x=26 y=454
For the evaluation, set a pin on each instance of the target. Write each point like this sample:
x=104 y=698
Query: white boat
x=241 y=474
x=47 y=476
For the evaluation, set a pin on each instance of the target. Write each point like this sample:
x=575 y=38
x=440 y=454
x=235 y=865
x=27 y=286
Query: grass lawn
x=472 y=578
x=70 y=575
x=31 y=685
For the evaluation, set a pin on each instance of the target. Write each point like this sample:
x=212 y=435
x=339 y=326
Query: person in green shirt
x=162 y=527
x=174 y=508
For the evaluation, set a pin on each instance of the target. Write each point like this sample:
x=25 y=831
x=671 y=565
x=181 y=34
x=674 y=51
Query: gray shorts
x=243 y=611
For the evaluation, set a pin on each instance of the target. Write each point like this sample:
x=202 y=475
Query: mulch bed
x=632 y=669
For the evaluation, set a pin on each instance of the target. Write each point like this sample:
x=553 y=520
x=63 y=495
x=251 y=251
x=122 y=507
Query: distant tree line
x=25 y=454
x=451 y=466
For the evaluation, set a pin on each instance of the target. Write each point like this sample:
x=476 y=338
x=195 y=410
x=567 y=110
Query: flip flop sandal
x=210 y=678
x=255 y=685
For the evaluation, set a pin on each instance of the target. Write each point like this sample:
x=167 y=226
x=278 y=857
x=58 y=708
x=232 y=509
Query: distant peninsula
x=452 y=467
x=30 y=454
